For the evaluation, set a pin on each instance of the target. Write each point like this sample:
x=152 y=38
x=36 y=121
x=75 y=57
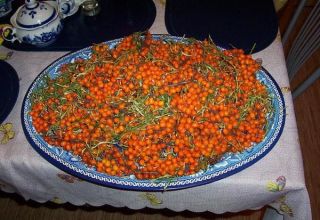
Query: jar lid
x=34 y=14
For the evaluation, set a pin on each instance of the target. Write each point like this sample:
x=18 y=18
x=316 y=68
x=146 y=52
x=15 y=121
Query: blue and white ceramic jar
x=36 y=23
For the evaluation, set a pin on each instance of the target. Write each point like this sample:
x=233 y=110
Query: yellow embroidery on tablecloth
x=5 y=56
x=285 y=89
x=162 y=2
x=57 y=200
x=7 y=132
x=284 y=207
x=152 y=198
x=278 y=186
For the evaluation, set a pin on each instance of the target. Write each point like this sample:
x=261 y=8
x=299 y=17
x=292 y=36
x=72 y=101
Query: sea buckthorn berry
x=153 y=108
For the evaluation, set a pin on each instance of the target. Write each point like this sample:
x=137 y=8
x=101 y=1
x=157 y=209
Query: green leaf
x=285 y=89
x=284 y=207
x=254 y=45
x=152 y=198
x=57 y=200
x=5 y=56
x=8 y=126
x=5 y=139
x=8 y=133
x=272 y=186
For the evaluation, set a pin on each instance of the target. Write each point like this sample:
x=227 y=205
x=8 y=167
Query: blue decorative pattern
x=42 y=6
x=43 y=39
x=25 y=11
x=32 y=13
x=229 y=164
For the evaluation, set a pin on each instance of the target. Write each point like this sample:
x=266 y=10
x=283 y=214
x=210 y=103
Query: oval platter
x=228 y=165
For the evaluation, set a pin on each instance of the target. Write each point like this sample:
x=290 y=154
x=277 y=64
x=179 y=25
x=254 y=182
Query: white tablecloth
x=24 y=171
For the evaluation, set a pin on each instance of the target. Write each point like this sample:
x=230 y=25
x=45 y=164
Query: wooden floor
x=307 y=109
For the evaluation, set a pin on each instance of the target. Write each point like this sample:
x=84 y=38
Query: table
x=276 y=180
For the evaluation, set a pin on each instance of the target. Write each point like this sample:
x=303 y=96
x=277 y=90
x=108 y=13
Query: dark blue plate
x=9 y=89
x=246 y=24
x=228 y=165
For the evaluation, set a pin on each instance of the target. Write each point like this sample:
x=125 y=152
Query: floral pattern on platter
x=44 y=39
x=228 y=165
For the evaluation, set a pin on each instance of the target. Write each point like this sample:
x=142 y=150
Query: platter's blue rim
x=163 y=185
x=14 y=89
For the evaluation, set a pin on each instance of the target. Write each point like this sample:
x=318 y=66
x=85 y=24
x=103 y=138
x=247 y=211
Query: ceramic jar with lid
x=36 y=23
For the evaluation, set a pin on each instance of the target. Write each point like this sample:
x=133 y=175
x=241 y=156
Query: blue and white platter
x=228 y=165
